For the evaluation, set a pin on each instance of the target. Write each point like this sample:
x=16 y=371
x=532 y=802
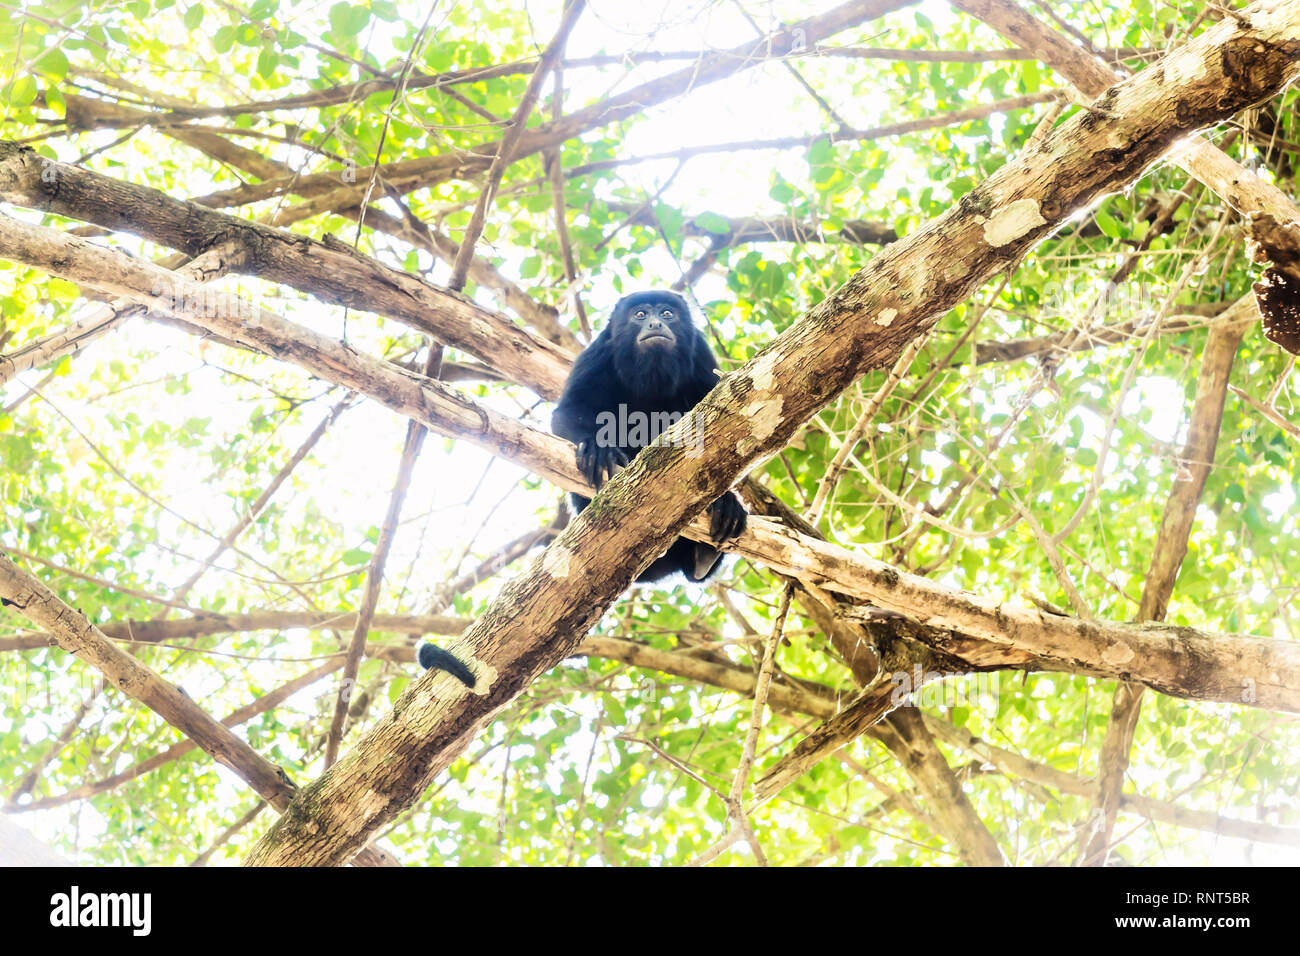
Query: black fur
x=431 y=656
x=650 y=359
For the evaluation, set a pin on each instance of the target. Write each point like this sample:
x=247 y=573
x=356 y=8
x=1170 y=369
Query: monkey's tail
x=433 y=657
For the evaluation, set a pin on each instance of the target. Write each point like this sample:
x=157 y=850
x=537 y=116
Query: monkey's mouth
x=656 y=338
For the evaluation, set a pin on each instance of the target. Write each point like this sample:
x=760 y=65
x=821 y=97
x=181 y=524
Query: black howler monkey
x=647 y=368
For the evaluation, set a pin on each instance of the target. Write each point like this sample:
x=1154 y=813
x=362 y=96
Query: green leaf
x=267 y=61
x=23 y=91
x=821 y=152
x=348 y=20
x=55 y=102
x=782 y=192
x=263 y=10
x=1032 y=75
x=53 y=64
x=61 y=290
x=672 y=220
x=224 y=39
x=1106 y=223
x=712 y=222
x=356 y=557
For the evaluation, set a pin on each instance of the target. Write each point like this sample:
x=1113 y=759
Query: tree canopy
x=1005 y=295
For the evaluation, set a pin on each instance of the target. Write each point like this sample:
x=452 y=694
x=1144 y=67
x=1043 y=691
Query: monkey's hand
x=598 y=463
x=727 y=518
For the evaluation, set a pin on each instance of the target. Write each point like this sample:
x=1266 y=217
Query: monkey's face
x=651 y=322
x=652 y=334
x=654 y=326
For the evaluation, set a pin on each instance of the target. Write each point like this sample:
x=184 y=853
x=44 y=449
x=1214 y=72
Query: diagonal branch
x=505 y=153
x=1269 y=411
x=1194 y=464
x=905 y=733
x=235 y=718
x=78 y=636
x=415 y=433
x=79 y=335
x=328 y=270
x=1271 y=216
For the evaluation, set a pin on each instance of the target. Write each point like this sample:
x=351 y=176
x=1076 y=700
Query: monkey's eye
x=640 y=313
x=667 y=313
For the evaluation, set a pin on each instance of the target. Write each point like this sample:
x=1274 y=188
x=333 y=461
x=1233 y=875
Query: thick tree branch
x=1271 y=215
x=209 y=266
x=330 y=271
